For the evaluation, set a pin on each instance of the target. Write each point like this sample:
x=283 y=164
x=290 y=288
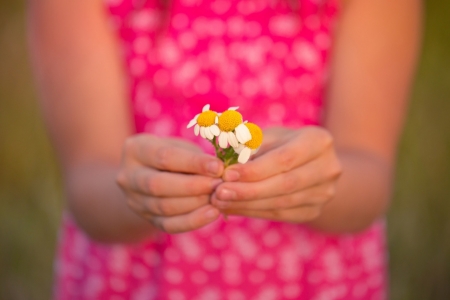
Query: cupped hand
x=291 y=179
x=169 y=182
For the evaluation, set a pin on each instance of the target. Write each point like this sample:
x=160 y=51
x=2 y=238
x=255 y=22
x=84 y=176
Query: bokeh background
x=31 y=198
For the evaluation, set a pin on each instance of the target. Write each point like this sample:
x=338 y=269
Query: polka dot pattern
x=270 y=58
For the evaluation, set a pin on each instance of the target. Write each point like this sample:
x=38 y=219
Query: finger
x=316 y=172
x=168 y=156
x=188 y=222
x=166 y=206
x=166 y=184
x=296 y=215
x=301 y=148
x=316 y=195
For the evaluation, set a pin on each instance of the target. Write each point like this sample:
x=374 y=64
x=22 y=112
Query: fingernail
x=215 y=183
x=213 y=168
x=225 y=194
x=231 y=175
x=211 y=213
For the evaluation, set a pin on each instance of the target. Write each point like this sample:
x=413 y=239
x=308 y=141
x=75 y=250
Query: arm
x=374 y=58
x=84 y=103
x=295 y=176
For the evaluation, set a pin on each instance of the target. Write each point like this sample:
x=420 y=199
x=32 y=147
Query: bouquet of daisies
x=233 y=139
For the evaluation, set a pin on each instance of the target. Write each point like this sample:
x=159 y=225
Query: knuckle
x=121 y=179
x=324 y=136
x=154 y=186
x=286 y=158
x=311 y=214
x=283 y=202
x=330 y=192
x=289 y=182
x=165 y=208
x=129 y=145
x=163 y=157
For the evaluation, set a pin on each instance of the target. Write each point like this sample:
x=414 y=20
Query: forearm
x=362 y=194
x=99 y=206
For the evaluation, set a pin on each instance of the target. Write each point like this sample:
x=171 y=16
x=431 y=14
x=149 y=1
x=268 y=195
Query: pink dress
x=270 y=58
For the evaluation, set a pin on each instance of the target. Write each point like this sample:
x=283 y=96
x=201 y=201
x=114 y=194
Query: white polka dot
x=276 y=113
x=199 y=277
x=202 y=85
x=220 y=6
x=216 y=27
x=218 y=241
x=210 y=293
x=375 y=280
x=236 y=295
x=200 y=26
x=145 y=20
x=176 y=295
x=187 y=40
x=141 y=45
x=173 y=276
x=180 y=21
x=139 y=271
x=291 y=291
x=268 y=293
x=246 y=7
x=152 y=109
x=152 y=258
x=272 y=238
x=94 y=284
x=211 y=263
x=256 y=277
x=161 y=78
x=265 y=262
x=250 y=88
x=118 y=284
x=322 y=41
x=168 y=53
x=305 y=54
x=284 y=25
x=235 y=26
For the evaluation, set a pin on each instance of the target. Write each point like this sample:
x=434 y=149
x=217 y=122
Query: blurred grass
x=30 y=194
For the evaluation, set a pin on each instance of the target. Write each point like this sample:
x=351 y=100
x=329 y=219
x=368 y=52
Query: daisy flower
x=232 y=129
x=249 y=148
x=205 y=123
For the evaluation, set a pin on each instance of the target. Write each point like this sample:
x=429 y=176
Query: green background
x=418 y=222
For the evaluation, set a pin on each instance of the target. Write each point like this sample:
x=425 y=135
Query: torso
x=270 y=59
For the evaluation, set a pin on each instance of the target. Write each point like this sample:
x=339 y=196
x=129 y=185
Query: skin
x=119 y=185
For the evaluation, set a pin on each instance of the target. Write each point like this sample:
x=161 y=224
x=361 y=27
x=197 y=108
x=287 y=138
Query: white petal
x=192 y=123
x=215 y=129
x=216 y=120
x=223 y=137
x=208 y=133
x=254 y=151
x=232 y=140
x=243 y=134
x=233 y=108
x=202 y=132
x=239 y=148
x=244 y=155
x=206 y=107
x=197 y=129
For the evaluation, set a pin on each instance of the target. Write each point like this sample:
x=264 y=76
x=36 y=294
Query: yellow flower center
x=207 y=118
x=229 y=120
x=257 y=136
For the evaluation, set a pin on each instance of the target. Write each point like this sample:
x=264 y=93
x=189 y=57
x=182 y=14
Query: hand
x=293 y=176
x=169 y=182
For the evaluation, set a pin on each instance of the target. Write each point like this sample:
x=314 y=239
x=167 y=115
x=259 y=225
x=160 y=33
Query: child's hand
x=169 y=182
x=291 y=179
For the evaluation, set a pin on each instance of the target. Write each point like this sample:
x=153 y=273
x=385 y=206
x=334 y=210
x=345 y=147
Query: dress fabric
x=270 y=58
